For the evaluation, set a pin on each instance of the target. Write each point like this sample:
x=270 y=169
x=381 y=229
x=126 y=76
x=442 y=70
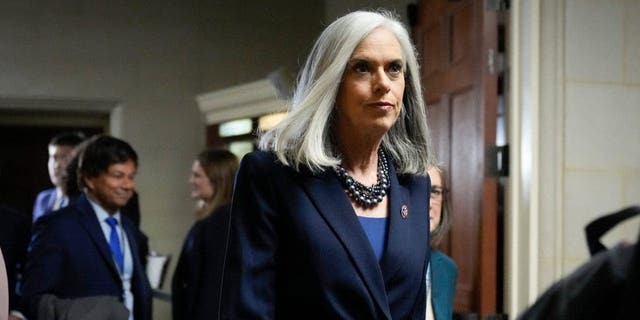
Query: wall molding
x=242 y=101
x=56 y=111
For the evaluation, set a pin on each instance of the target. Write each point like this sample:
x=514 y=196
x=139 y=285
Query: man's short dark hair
x=67 y=139
x=101 y=153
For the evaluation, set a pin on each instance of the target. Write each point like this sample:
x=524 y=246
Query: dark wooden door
x=457 y=41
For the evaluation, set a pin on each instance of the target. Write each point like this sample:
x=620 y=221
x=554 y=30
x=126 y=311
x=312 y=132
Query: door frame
x=68 y=112
x=536 y=107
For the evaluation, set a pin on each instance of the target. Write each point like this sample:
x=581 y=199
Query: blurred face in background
x=59 y=156
x=201 y=186
x=435 y=200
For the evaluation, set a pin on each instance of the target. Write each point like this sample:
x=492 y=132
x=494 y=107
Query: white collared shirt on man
x=125 y=276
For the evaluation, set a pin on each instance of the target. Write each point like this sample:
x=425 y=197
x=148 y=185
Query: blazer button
x=404 y=212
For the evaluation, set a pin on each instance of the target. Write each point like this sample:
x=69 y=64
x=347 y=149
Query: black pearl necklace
x=361 y=194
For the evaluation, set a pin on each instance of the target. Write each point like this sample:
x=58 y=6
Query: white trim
x=49 y=111
x=531 y=143
x=116 y=121
x=552 y=125
x=535 y=219
x=560 y=111
x=246 y=100
x=512 y=216
x=523 y=192
x=57 y=104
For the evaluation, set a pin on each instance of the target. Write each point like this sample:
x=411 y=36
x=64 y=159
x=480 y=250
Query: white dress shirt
x=125 y=276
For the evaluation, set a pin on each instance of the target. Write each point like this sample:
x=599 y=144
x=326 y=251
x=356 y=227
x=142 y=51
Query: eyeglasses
x=437 y=193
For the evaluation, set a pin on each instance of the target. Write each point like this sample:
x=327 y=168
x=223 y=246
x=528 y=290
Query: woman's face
x=435 y=199
x=370 y=94
x=201 y=187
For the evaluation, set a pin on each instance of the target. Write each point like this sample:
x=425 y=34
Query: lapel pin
x=404 y=212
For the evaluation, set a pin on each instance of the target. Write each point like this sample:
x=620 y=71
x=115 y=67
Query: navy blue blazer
x=70 y=258
x=297 y=250
x=44 y=203
x=444 y=275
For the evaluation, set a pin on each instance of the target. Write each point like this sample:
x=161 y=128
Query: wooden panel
x=461 y=98
x=465 y=171
x=461 y=33
x=431 y=50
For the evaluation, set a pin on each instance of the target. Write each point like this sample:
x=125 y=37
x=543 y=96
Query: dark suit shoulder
x=264 y=168
x=61 y=216
x=261 y=159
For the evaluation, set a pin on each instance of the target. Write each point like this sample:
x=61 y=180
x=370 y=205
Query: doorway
x=462 y=45
x=24 y=136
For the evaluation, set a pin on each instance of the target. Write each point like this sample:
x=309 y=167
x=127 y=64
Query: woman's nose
x=382 y=83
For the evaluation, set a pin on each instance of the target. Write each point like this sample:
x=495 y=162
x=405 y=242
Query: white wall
x=576 y=81
x=338 y=8
x=602 y=154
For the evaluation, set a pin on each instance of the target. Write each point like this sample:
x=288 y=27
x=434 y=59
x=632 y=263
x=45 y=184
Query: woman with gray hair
x=329 y=219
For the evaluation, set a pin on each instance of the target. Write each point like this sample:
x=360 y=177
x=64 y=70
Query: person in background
x=196 y=282
x=15 y=231
x=329 y=218
x=59 y=148
x=442 y=273
x=88 y=248
x=72 y=188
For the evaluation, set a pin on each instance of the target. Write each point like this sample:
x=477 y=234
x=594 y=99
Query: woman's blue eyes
x=363 y=67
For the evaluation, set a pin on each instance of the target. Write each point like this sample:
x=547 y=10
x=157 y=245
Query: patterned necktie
x=114 y=243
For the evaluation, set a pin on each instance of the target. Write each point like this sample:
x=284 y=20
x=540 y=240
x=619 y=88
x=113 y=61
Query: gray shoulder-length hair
x=445 y=209
x=304 y=137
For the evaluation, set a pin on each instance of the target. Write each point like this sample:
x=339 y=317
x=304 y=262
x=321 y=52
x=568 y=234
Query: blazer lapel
x=90 y=223
x=398 y=236
x=328 y=196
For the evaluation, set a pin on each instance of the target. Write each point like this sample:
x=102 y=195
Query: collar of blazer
x=90 y=223
x=322 y=191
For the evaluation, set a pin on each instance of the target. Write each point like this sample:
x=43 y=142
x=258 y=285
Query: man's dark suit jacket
x=195 y=289
x=69 y=257
x=297 y=250
x=15 y=231
x=44 y=203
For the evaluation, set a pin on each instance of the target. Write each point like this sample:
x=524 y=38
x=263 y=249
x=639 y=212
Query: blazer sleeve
x=249 y=276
